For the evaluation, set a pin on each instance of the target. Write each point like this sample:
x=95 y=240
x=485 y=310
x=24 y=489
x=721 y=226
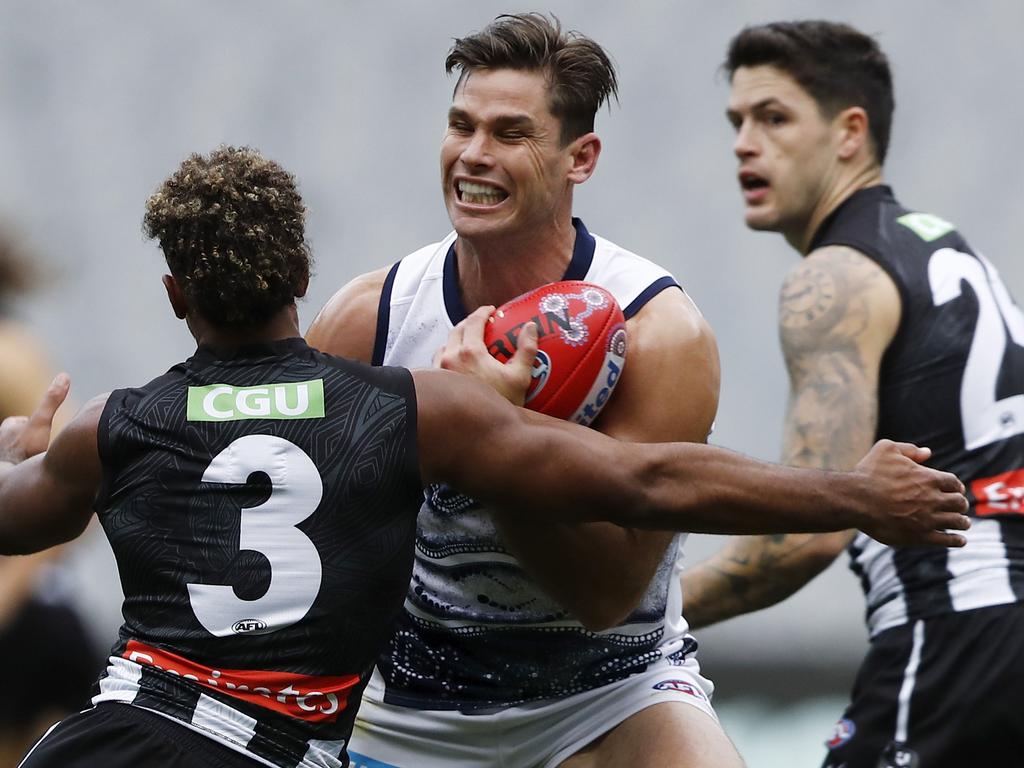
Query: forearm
x=598 y=571
x=34 y=514
x=755 y=572
x=703 y=489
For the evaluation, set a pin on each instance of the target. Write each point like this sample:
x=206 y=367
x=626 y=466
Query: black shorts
x=936 y=693
x=48 y=659
x=124 y=736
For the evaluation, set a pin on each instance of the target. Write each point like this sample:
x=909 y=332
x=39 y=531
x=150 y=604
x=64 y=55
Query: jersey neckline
x=579 y=265
x=208 y=352
x=865 y=194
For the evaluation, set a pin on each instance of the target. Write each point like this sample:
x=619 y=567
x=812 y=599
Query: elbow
x=607 y=615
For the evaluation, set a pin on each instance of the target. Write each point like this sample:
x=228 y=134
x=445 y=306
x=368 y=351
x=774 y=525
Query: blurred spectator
x=48 y=663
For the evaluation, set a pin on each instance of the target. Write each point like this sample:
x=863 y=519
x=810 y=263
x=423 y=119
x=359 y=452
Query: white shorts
x=539 y=735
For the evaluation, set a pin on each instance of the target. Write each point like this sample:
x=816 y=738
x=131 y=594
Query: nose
x=745 y=144
x=477 y=149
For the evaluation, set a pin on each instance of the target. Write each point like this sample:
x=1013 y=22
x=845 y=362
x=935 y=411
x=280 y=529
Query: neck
x=800 y=238
x=284 y=324
x=495 y=270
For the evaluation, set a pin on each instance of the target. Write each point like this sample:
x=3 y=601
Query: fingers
x=950 y=483
x=526 y=346
x=911 y=451
x=55 y=395
x=952 y=521
x=952 y=502
x=943 y=539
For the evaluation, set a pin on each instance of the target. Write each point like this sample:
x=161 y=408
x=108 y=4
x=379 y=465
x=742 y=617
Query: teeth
x=480 y=194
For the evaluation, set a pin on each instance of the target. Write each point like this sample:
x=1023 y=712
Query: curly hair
x=232 y=228
x=580 y=75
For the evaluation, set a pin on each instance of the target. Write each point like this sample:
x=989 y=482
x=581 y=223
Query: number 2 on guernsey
x=985 y=419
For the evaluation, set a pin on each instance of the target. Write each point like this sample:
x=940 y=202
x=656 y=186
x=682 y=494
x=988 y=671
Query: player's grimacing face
x=503 y=167
x=785 y=148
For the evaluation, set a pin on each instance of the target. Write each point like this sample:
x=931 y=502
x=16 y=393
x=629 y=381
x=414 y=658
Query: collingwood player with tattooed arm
x=261 y=497
x=892 y=326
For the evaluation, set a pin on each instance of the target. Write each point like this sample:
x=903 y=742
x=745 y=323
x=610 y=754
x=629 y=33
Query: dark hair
x=580 y=75
x=232 y=228
x=837 y=65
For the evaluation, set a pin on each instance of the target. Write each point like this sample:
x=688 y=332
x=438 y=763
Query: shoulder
x=75 y=450
x=837 y=295
x=670 y=384
x=347 y=324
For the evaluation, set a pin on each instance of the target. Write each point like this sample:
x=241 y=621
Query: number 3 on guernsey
x=985 y=419
x=295 y=568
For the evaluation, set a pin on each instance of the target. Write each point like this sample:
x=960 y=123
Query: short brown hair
x=580 y=75
x=836 y=64
x=232 y=228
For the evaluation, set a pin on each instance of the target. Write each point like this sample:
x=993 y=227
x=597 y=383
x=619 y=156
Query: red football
x=581 y=336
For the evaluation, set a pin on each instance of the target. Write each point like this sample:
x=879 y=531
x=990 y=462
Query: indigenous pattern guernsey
x=261 y=505
x=952 y=379
x=477 y=632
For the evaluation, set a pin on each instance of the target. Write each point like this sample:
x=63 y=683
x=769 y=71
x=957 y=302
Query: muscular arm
x=669 y=392
x=548 y=471
x=47 y=499
x=838 y=312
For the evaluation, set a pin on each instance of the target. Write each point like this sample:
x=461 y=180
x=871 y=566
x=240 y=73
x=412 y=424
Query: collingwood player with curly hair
x=261 y=497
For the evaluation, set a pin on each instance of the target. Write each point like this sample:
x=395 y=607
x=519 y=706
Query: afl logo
x=842 y=732
x=617 y=342
x=540 y=373
x=248 y=626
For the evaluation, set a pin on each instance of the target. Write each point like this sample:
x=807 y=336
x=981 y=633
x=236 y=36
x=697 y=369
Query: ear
x=302 y=286
x=176 y=296
x=853 y=132
x=584 y=152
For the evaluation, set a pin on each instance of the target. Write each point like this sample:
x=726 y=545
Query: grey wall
x=99 y=101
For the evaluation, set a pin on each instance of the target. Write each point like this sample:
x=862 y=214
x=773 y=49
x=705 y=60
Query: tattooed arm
x=838 y=312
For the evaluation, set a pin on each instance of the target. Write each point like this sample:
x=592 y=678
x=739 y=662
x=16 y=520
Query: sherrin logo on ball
x=581 y=338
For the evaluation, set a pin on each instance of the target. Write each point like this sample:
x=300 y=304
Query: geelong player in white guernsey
x=892 y=327
x=567 y=648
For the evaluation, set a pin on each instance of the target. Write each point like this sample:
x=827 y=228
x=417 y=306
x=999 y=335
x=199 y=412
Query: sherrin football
x=581 y=339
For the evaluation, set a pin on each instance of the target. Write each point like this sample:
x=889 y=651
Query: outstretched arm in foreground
x=553 y=470
x=838 y=312
x=46 y=495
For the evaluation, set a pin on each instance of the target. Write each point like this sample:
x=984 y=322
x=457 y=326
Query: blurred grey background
x=100 y=100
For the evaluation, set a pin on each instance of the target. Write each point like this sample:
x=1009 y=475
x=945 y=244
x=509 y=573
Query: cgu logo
x=248 y=626
x=224 y=402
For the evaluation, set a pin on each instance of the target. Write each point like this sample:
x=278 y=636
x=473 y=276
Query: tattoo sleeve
x=835 y=320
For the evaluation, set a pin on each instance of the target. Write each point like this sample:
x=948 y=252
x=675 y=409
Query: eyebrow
x=502 y=121
x=756 y=106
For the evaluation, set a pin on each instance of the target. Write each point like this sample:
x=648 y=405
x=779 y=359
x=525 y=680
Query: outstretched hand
x=915 y=505
x=465 y=352
x=24 y=436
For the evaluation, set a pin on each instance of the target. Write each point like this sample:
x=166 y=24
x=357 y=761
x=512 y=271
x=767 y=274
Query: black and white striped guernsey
x=261 y=503
x=952 y=379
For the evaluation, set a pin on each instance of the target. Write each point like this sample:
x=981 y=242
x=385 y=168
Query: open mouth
x=476 y=193
x=751 y=182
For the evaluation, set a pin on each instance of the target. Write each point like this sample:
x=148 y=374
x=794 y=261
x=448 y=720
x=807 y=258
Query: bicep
x=838 y=312
x=670 y=384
